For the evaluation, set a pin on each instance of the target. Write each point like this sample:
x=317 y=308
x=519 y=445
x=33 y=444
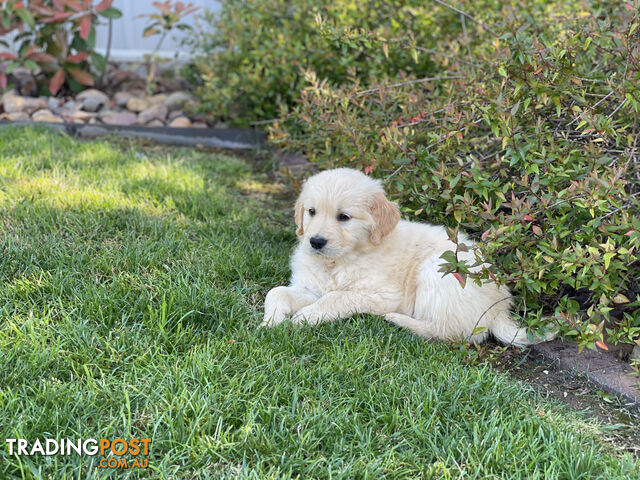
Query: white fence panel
x=127 y=43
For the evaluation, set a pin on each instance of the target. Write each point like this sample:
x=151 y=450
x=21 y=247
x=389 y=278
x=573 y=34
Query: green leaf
x=111 y=13
x=607 y=259
x=6 y=20
x=31 y=65
x=91 y=40
x=99 y=61
x=26 y=17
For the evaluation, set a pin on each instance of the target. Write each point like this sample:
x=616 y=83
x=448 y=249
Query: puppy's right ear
x=299 y=215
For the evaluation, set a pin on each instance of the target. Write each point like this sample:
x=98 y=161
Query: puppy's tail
x=507 y=332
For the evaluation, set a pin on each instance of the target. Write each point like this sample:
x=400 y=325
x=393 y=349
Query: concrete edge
x=228 y=138
x=609 y=373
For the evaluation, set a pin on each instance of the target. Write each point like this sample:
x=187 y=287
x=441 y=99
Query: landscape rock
x=15 y=117
x=118 y=118
x=28 y=105
x=45 y=115
x=91 y=104
x=175 y=114
x=52 y=103
x=121 y=98
x=155 y=123
x=221 y=126
x=93 y=93
x=137 y=104
x=155 y=99
x=92 y=99
x=635 y=353
x=77 y=116
x=199 y=125
x=9 y=93
x=155 y=112
x=180 y=122
x=177 y=100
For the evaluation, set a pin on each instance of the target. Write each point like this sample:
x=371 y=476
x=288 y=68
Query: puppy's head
x=343 y=210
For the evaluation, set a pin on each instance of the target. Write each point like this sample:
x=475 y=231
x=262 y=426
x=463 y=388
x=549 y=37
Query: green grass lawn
x=131 y=287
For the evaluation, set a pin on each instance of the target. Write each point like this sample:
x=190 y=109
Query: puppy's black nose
x=318 y=242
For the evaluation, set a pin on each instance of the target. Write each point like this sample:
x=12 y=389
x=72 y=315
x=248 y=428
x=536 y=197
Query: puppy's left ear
x=385 y=216
x=299 y=215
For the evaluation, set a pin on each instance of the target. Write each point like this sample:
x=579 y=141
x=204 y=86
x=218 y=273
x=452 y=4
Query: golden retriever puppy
x=355 y=255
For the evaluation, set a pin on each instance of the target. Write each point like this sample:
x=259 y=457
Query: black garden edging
x=606 y=371
x=228 y=138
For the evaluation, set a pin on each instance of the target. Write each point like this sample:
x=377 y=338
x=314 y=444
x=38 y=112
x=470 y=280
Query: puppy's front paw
x=307 y=315
x=273 y=317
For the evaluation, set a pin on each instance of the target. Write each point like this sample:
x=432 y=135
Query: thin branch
x=478 y=22
x=484 y=313
x=108 y=52
x=617 y=108
x=402 y=84
x=592 y=107
x=466 y=37
x=270 y=121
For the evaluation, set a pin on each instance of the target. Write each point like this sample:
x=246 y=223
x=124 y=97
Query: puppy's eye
x=312 y=211
x=343 y=217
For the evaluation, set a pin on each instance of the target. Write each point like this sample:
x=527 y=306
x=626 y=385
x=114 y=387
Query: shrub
x=251 y=62
x=532 y=148
x=55 y=40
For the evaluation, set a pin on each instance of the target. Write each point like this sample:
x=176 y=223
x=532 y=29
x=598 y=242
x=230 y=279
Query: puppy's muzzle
x=318 y=242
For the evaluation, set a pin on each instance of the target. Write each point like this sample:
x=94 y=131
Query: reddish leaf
x=485 y=234
x=81 y=76
x=85 y=27
x=56 y=81
x=629 y=7
x=41 y=9
x=191 y=10
x=75 y=6
x=3 y=80
x=529 y=218
x=368 y=170
x=149 y=32
x=460 y=278
x=629 y=233
x=103 y=5
x=7 y=56
x=78 y=57
x=537 y=230
x=87 y=4
x=602 y=345
x=163 y=7
x=18 y=5
x=42 y=57
x=59 y=4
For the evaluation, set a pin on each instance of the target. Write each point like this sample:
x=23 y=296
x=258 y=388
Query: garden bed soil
x=554 y=378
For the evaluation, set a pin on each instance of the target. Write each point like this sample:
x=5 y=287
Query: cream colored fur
x=376 y=263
